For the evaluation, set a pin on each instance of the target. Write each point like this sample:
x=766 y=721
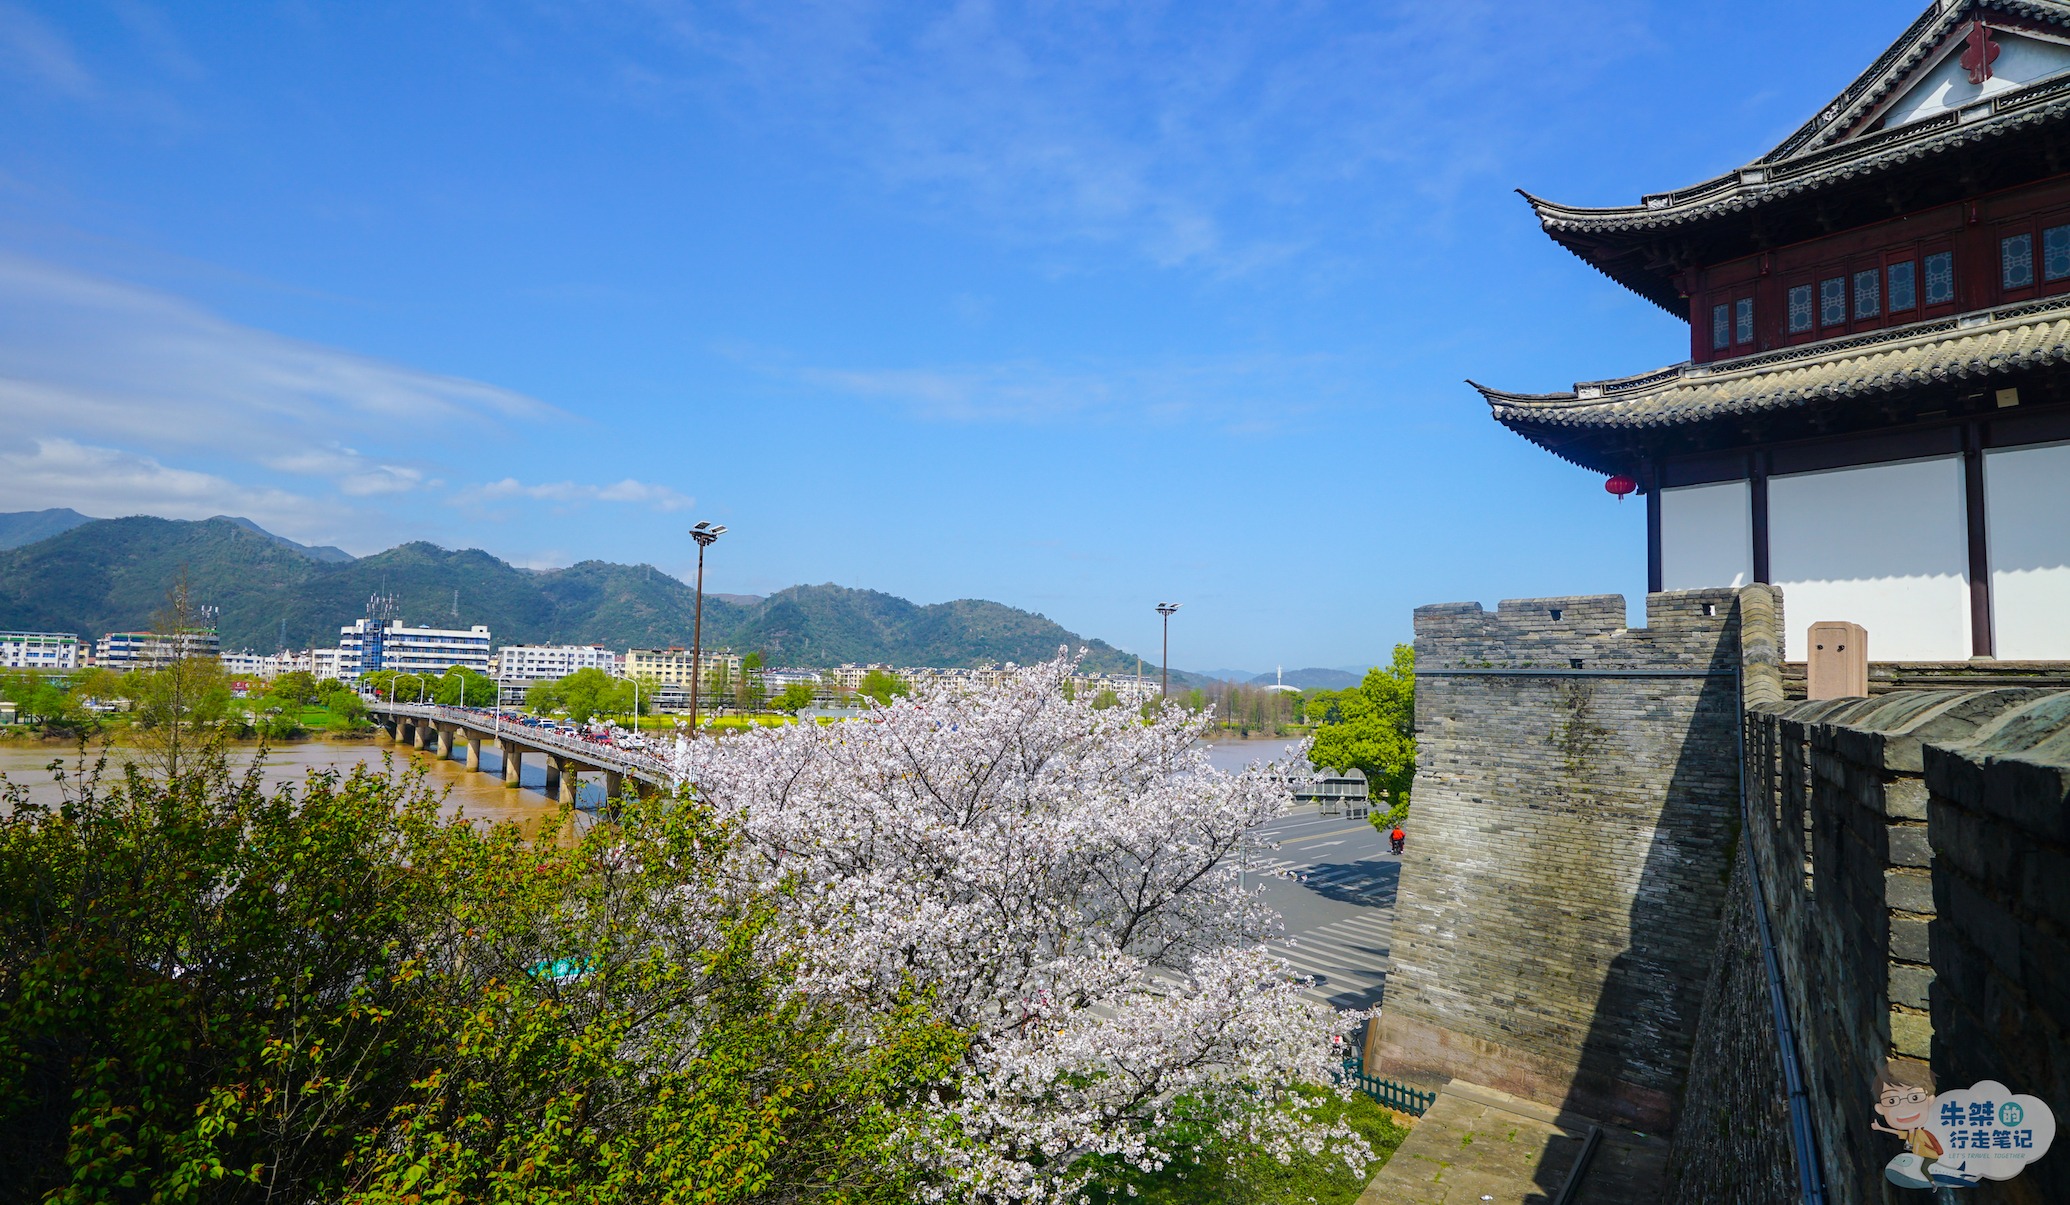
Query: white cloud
x=109 y=483
x=1245 y=390
x=31 y=49
x=1224 y=138
x=100 y=359
x=641 y=493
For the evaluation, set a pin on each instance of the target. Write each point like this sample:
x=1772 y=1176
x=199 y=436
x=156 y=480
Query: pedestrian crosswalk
x=1369 y=882
x=1347 y=959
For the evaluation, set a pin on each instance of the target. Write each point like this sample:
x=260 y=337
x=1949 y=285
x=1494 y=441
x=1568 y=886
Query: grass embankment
x=1256 y=1178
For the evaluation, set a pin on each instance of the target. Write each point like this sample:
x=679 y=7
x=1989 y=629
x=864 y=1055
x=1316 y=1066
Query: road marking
x=1346 y=959
x=1339 y=832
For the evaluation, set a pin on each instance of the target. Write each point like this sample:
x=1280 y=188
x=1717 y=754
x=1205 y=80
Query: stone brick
x=1909 y=845
x=1909 y=940
x=1908 y=891
x=1909 y=984
x=1905 y=799
x=1911 y=1034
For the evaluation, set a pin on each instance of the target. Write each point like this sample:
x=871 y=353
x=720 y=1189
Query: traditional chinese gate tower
x=1875 y=416
x=1873 y=410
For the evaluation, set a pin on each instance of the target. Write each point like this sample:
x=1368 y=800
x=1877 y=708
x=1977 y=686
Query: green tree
x=185 y=694
x=1374 y=729
x=1105 y=699
x=348 y=711
x=883 y=686
x=39 y=699
x=583 y=695
x=463 y=687
x=296 y=686
x=796 y=697
x=210 y=993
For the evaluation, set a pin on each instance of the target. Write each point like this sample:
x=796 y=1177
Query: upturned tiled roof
x=1965 y=347
x=1829 y=147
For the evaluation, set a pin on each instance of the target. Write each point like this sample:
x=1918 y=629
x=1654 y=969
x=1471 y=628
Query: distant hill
x=1312 y=678
x=111 y=575
x=28 y=526
x=1223 y=675
x=324 y=553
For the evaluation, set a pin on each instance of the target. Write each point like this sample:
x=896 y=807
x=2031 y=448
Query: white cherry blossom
x=1064 y=882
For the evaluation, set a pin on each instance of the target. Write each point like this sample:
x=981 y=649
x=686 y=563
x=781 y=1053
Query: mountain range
x=95 y=576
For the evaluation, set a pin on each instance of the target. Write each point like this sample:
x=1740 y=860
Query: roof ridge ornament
x=1981 y=52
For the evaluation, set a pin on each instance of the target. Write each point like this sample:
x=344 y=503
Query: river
x=481 y=796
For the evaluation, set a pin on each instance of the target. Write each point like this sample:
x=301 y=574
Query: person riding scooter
x=1396 y=838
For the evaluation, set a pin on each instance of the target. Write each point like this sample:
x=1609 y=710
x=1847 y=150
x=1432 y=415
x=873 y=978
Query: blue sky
x=1076 y=307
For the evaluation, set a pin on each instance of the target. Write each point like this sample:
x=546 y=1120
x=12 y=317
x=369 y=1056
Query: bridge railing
x=609 y=757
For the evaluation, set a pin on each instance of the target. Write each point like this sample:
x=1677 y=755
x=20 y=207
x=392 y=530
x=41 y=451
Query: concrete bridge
x=431 y=727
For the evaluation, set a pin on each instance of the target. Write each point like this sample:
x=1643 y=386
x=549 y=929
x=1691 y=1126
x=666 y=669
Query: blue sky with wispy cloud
x=1073 y=306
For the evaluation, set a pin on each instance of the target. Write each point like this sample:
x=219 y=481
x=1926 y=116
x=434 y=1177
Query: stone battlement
x=1684 y=630
x=1575 y=791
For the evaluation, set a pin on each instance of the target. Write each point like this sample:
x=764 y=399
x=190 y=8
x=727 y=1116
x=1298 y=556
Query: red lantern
x=1620 y=485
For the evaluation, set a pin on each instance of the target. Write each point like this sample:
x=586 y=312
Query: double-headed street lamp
x=1166 y=609
x=706 y=534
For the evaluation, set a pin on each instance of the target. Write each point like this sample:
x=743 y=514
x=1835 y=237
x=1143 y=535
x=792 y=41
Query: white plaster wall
x=1706 y=536
x=2027 y=526
x=2020 y=61
x=1885 y=546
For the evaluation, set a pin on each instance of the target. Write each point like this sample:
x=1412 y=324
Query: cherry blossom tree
x=1065 y=885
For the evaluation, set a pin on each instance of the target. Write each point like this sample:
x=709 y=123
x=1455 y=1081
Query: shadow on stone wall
x=1650 y=1000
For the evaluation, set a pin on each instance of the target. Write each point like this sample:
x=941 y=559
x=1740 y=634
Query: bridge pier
x=384 y=732
x=474 y=750
x=571 y=779
x=420 y=735
x=445 y=741
x=513 y=764
x=553 y=777
x=614 y=784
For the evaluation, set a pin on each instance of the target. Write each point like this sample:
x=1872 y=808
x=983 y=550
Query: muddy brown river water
x=482 y=796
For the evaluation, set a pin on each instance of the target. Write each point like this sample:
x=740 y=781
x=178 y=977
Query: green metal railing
x=1397 y=1096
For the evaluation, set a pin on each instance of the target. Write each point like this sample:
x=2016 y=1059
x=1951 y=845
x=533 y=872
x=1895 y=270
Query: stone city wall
x=1733 y=1144
x=1576 y=795
x=1914 y=848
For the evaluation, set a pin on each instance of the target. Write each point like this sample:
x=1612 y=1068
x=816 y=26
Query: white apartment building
x=327 y=663
x=365 y=647
x=267 y=665
x=134 y=650
x=671 y=666
x=536 y=662
x=39 y=650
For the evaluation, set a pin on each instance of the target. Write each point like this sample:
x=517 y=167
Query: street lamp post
x=1165 y=609
x=706 y=534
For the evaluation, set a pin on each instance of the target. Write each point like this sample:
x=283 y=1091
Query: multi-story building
x=39 y=650
x=536 y=662
x=267 y=665
x=1875 y=410
x=327 y=663
x=366 y=646
x=671 y=666
x=142 y=650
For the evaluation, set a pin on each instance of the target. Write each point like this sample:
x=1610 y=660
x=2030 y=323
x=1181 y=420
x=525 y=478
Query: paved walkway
x=1480 y=1145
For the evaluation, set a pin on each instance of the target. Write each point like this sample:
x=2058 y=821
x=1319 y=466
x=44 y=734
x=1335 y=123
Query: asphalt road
x=1334 y=882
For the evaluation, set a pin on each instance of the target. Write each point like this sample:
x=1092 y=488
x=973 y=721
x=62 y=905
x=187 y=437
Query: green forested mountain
x=28 y=526
x=111 y=575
